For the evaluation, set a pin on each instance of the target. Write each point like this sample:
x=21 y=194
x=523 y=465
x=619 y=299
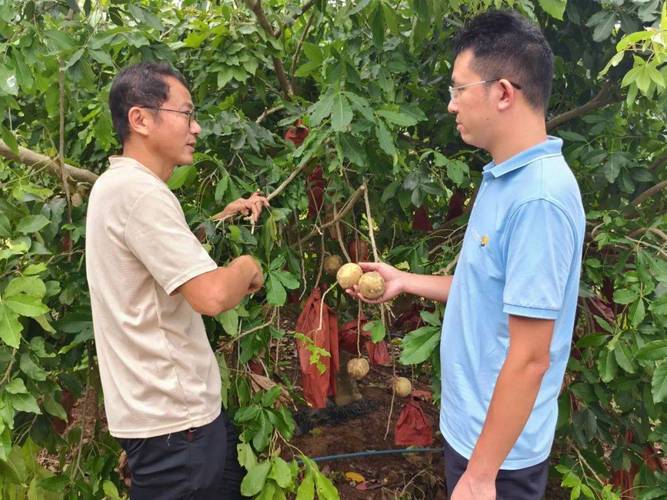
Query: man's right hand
x=393 y=281
x=256 y=276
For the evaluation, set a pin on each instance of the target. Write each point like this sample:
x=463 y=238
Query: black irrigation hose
x=400 y=451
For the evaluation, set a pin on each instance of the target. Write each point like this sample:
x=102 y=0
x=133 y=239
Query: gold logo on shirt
x=484 y=240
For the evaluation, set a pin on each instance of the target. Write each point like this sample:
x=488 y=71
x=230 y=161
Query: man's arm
x=512 y=402
x=397 y=282
x=223 y=288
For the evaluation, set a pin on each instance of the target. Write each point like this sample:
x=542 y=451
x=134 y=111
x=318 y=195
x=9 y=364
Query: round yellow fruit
x=348 y=275
x=371 y=285
x=402 y=386
x=357 y=368
x=332 y=264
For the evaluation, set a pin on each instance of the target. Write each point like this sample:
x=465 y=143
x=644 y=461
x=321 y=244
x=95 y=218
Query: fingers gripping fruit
x=348 y=275
x=371 y=285
x=402 y=386
x=357 y=368
x=332 y=264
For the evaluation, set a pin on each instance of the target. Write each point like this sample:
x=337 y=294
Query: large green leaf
x=341 y=114
x=555 y=8
x=275 y=291
x=10 y=326
x=659 y=383
x=280 y=472
x=417 y=346
x=253 y=482
x=655 y=350
x=32 y=223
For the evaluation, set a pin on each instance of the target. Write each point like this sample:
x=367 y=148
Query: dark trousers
x=196 y=464
x=522 y=484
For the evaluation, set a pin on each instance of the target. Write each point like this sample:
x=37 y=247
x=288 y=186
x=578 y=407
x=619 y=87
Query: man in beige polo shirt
x=150 y=281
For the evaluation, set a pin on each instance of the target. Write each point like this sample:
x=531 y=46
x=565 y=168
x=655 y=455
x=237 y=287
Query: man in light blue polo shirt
x=511 y=302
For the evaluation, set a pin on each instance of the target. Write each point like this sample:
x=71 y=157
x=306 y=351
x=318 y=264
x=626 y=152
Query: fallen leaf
x=354 y=476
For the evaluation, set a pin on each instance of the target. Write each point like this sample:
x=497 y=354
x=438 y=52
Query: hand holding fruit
x=369 y=285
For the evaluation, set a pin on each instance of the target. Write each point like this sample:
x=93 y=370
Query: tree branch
x=603 y=97
x=658 y=163
x=289 y=23
x=33 y=160
x=256 y=7
x=343 y=212
x=648 y=193
x=284 y=184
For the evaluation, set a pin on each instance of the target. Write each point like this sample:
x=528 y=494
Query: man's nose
x=451 y=106
x=195 y=127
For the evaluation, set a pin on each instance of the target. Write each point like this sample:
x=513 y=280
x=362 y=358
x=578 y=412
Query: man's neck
x=514 y=140
x=149 y=160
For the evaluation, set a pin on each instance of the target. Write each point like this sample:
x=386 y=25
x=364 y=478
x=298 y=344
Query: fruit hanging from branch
x=357 y=368
x=332 y=264
x=402 y=386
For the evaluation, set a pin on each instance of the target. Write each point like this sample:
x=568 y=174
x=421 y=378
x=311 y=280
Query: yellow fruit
x=348 y=275
x=371 y=285
x=357 y=368
x=402 y=386
x=332 y=264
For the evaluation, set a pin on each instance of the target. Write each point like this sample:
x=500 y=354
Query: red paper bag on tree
x=317 y=386
x=414 y=428
x=378 y=354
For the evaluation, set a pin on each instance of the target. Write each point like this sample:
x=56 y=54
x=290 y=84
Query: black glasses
x=190 y=114
x=454 y=91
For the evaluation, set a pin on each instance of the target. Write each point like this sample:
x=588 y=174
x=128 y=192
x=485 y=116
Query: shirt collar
x=117 y=161
x=551 y=147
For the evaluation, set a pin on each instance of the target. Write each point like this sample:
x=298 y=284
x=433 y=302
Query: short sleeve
x=539 y=255
x=157 y=234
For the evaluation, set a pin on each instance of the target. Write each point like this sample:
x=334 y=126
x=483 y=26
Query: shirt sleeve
x=539 y=254
x=158 y=235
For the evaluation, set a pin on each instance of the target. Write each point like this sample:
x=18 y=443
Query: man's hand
x=393 y=281
x=257 y=279
x=470 y=489
x=244 y=206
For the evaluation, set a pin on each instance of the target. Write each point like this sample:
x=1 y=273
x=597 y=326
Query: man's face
x=173 y=135
x=471 y=105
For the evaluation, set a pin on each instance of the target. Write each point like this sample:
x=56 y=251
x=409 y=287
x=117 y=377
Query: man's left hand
x=244 y=206
x=470 y=489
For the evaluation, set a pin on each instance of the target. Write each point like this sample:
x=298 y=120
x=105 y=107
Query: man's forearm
x=427 y=286
x=512 y=402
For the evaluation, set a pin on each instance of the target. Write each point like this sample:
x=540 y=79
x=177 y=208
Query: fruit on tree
x=371 y=285
x=348 y=275
x=332 y=264
x=358 y=368
x=402 y=386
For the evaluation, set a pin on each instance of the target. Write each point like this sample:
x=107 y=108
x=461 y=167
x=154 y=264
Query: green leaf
x=275 y=292
x=637 y=313
x=110 y=490
x=281 y=473
x=555 y=8
x=321 y=109
x=5 y=227
x=306 y=489
x=341 y=115
x=229 y=321
x=32 y=286
x=262 y=436
x=10 y=327
x=31 y=369
x=54 y=408
x=384 y=138
x=623 y=358
x=607 y=366
x=418 y=345
x=181 y=176
x=24 y=402
x=287 y=279
x=400 y=119
x=376 y=21
x=32 y=223
x=377 y=330
x=16 y=386
x=246 y=456
x=653 y=351
x=659 y=383
x=325 y=488
x=625 y=296
x=26 y=305
x=9 y=139
x=253 y=482
x=361 y=105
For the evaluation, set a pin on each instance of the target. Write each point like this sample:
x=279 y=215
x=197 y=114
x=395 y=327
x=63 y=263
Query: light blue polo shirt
x=521 y=255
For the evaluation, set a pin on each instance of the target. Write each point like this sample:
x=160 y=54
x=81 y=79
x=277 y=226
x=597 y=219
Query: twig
x=448 y=267
x=601 y=99
x=583 y=461
x=339 y=234
x=297 y=53
x=358 y=327
x=267 y=112
x=322 y=305
x=369 y=218
x=61 y=152
x=9 y=368
x=346 y=208
x=321 y=266
x=289 y=23
x=284 y=184
x=653 y=230
x=256 y=328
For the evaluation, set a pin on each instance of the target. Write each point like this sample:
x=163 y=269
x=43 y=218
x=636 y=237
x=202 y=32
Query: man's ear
x=139 y=120
x=507 y=94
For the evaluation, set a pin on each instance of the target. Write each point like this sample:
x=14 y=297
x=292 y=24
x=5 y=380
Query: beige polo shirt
x=157 y=368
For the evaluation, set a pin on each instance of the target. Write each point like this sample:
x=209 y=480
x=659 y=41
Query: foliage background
x=369 y=79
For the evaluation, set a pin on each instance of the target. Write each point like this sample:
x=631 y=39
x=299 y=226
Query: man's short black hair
x=142 y=84
x=506 y=45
